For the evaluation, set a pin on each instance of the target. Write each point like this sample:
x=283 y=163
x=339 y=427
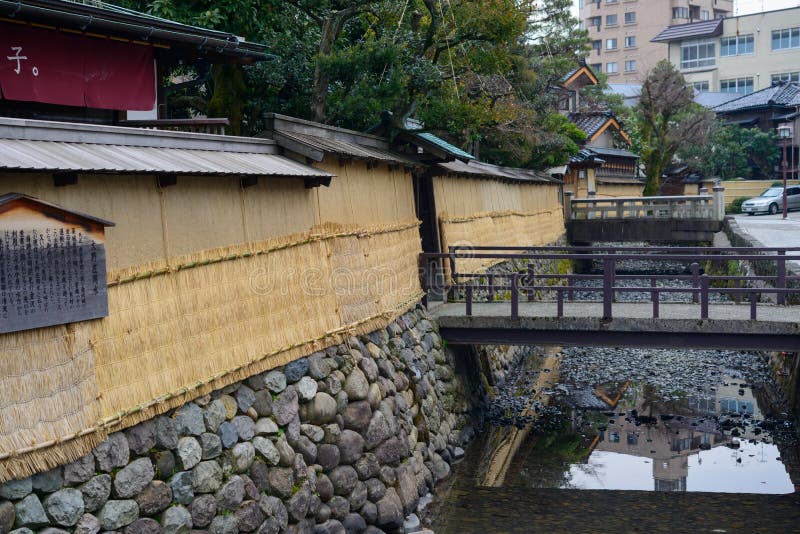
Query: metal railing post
x=490 y=278
x=780 y=281
x=753 y=307
x=704 y=296
x=468 y=298
x=609 y=266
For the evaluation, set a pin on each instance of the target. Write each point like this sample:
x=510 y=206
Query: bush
x=736 y=205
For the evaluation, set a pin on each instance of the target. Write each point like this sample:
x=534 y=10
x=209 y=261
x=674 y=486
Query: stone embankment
x=348 y=439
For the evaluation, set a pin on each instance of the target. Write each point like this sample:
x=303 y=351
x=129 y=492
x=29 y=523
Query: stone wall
x=349 y=437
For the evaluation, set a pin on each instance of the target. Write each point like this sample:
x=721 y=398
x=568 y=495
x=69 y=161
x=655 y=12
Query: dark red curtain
x=40 y=65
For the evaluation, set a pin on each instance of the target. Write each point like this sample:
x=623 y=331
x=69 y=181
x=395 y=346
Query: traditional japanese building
x=602 y=167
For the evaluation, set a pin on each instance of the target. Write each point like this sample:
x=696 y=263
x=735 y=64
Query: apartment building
x=621 y=31
x=738 y=54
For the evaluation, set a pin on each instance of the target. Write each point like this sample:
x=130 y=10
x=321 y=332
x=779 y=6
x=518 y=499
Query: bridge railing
x=607 y=281
x=674 y=207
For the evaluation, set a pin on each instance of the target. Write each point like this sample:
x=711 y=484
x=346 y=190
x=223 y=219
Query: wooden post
x=704 y=296
x=695 y=280
x=609 y=265
x=654 y=298
x=780 y=281
x=560 y=303
x=515 y=296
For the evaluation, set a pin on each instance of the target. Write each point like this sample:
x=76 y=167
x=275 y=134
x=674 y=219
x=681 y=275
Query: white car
x=771 y=201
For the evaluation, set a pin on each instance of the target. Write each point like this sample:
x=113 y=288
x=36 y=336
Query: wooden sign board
x=52 y=265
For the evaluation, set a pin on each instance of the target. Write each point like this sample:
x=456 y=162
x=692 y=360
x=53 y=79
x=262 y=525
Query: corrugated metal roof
x=619 y=152
x=35 y=155
x=485 y=170
x=414 y=127
x=704 y=28
x=457 y=152
x=343 y=148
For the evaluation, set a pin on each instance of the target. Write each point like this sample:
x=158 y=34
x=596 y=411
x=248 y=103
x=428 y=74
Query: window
x=611 y=44
x=697 y=54
x=611 y=20
x=680 y=12
x=704 y=15
x=701 y=87
x=613 y=437
x=630 y=41
x=736 y=46
x=611 y=68
x=580 y=4
x=597 y=67
x=597 y=45
x=785 y=39
x=594 y=21
x=742 y=86
x=630 y=65
x=630 y=17
x=611 y=1
x=786 y=77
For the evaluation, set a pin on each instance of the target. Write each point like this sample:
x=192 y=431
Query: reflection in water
x=711 y=442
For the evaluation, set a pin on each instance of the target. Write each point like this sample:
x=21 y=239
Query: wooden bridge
x=677 y=219
x=693 y=298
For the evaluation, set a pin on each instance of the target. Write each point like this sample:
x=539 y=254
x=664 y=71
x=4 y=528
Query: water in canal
x=643 y=440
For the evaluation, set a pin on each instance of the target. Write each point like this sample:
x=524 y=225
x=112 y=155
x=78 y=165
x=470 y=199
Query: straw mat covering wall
x=507 y=228
x=181 y=329
x=57 y=360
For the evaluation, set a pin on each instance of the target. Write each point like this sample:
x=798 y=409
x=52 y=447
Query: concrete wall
x=652 y=16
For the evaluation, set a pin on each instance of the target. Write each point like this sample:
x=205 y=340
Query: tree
x=733 y=152
x=668 y=119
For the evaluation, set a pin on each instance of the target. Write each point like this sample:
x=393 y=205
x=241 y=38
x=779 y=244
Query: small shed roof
x=315 y=140
x=692 y=30
x=478 y=169
x=8 y=200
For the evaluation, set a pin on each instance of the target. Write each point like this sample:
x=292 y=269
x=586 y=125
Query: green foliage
x=736 y=205
x=733 y=152
x=478 y=73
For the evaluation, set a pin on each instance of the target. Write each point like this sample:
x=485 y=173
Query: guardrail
x=702 y=206
x=531 y=286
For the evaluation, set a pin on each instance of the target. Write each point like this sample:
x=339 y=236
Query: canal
x=632 y=440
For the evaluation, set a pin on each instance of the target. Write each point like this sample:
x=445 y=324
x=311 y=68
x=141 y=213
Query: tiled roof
x=591 y=123
x=780 y=95
x=704 y=28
